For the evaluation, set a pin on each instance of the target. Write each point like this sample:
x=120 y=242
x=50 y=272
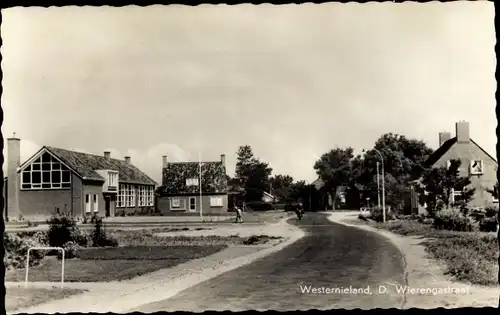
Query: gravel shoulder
x=165 y=283
x=423 y=272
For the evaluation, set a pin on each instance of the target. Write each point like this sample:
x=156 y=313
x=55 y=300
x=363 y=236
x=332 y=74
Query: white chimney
x=164 y=161
x=107 y=154
x=443 y=137
x=462 y=132
x=127 y=159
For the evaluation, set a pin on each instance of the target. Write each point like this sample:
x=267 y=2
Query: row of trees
x=255 y=176
x=403 y=161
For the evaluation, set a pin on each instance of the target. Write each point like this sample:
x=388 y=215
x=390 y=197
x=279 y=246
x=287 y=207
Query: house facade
x=476 y=163
x=56 y=180
x=182 y=183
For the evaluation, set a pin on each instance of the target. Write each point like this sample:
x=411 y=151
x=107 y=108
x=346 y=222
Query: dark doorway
x=107 y=205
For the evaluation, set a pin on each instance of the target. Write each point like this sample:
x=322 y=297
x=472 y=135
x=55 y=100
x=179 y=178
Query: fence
x=44 y=248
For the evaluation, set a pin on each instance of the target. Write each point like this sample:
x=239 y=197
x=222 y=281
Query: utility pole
x=378 y=186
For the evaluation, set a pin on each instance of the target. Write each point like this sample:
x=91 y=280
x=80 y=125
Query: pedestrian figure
x=239 y=215
x=299 y=210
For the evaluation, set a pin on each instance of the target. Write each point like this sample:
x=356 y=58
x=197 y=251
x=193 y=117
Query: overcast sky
x=291 y=81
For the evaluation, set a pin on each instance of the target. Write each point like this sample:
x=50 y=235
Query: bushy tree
x=335 y=168
x=251 y=174
x=281 y=185
x=438 y=184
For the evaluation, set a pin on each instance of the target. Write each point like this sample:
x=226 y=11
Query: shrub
x=454 y=220
x=16 y=249
x=491 y=212
x=100 y=238
x=488 y=224
x=61 y=230
x=377 y=215
x=70 y=250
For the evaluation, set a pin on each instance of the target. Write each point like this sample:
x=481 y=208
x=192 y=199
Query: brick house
x=476 y=163
x=58 y=180
x=180 y=190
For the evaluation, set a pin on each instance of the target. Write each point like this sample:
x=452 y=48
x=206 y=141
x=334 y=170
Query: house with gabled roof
x=59 y=180
x=182 y=183
x=475 y=162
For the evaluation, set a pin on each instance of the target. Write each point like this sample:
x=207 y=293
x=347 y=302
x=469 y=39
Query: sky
x=291 y=81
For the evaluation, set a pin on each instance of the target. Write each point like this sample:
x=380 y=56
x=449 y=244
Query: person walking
x=239 y=214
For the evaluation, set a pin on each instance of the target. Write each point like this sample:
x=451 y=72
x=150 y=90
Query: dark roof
x=318 y=183
x=213 y=180
x=85 y=165
x=445 y=147
x=434 y=157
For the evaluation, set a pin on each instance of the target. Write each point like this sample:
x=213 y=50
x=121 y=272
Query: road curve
x=329 y=256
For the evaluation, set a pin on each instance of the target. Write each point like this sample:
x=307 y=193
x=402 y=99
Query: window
x=192 y=182
x=216 y=202
x=476 y=167
x=112 y=179
x=87 y=203
x=46 y=172
x=175 y=202
x=150 y=191
x=96 y=203
x=142 y=196
x=192 y=203
x=126 y=195
x=495 y=193
x=456 y=195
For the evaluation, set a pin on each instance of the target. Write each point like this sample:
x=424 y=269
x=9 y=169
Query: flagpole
x=199 y=182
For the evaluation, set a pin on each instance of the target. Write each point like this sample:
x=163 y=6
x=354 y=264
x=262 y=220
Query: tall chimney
x=164 y=161
x=223 y=159
x=443 y=137
x=107 y=154
x=13 y=162
x=127 y=159
x=462 y=131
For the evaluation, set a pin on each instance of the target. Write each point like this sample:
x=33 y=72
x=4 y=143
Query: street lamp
x=383 y=182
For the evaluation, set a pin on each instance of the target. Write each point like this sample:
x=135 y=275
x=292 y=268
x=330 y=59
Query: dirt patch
x=424 y=272
x=16 y=298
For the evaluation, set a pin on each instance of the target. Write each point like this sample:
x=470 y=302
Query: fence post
x=44 y=248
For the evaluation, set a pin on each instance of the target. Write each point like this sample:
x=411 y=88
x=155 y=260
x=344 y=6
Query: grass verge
x=113 y=264
x=16 y=298
x=469 y=256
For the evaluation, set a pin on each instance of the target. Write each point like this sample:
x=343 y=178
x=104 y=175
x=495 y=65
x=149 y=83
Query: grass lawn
x=16 y=298
x=469 y=256
x=109 y=264
x=147 y=238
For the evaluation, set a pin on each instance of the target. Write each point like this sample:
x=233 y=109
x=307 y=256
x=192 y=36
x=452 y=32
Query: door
x=192 y=204
x=107 y=205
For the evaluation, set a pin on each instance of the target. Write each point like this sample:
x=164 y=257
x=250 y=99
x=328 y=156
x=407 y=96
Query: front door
x=192 y=204
x=107 y=205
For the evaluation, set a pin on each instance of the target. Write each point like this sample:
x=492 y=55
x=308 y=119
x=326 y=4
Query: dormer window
x=192 y=182
x=476 y=167
x=112 y=179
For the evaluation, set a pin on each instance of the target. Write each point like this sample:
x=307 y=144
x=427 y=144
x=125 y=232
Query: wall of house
x=466 y=152
x=39 y=205
x=164 y=205
x=93 y=189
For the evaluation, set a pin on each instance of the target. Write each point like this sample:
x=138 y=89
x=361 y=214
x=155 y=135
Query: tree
x=251 y=174
x=403 y=161
x=281 y=185
x=335 y=168
x=438 y=184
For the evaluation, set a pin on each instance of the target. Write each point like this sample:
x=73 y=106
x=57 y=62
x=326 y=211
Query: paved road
x=331 y=255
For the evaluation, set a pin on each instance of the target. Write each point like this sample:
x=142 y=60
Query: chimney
x=165 y=161
x=462 y=131
x=13 y=162
x=223 y=159
x=107 y=154
x=443 y=137
x=127 y=159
